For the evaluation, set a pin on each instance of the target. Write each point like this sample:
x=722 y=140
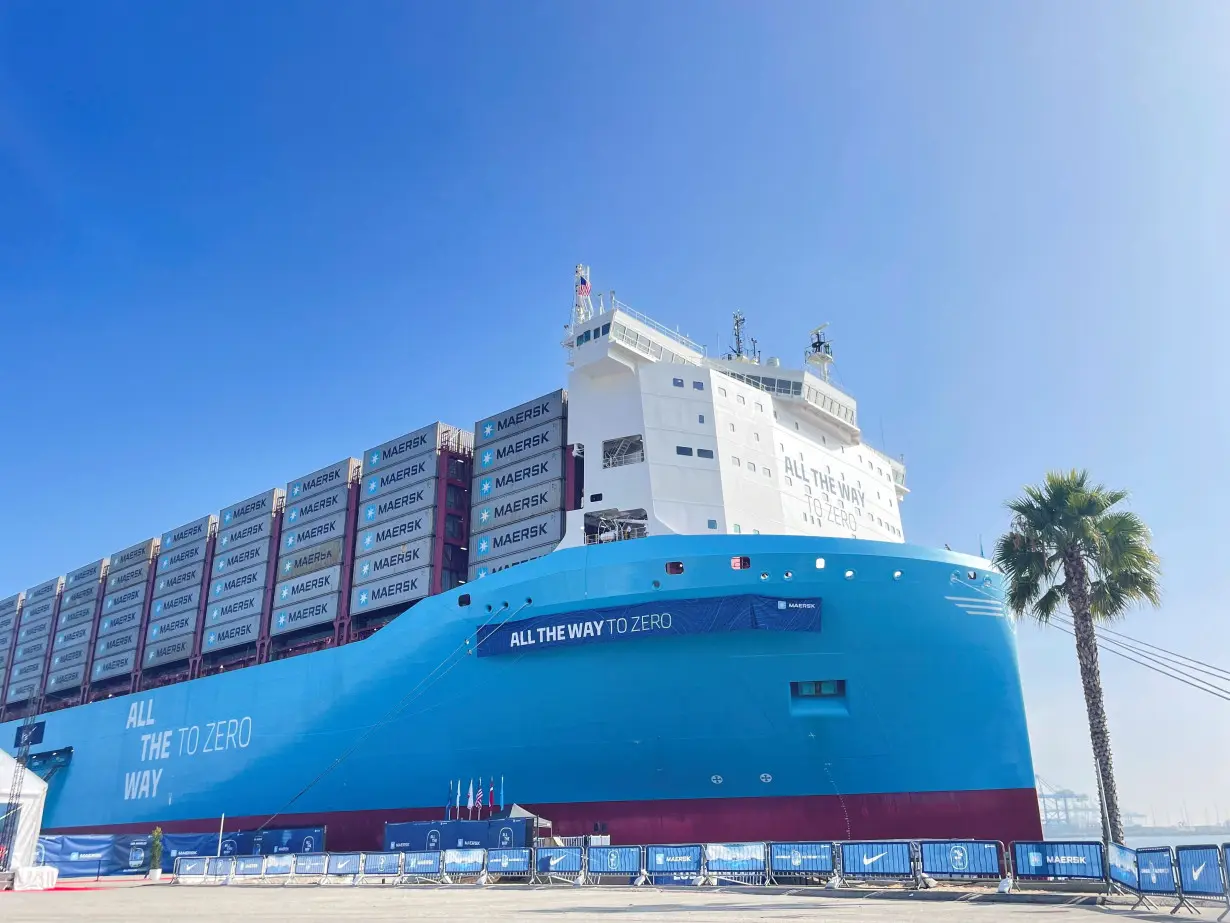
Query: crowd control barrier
x=384 y=866
x=1202 y=876
x=882 y=860
x=422 y=867
x=1079 y=860
x=610 y=864
x=800 y=863
x=515 y=862
x=736 y=863
x=559 y=864
x=674 y=865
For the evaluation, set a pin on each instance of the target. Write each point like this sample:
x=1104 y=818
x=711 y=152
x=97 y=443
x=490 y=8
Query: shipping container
x=22 y=692
x=399 y=589
x=326 y=478
x=529 y=533
x=90 y=573
x=11 y=604
x=34 y=631
x=80 y=594
x=168 y=651
x=65 y=679
x=81 y=615
x=244 y=631
x=240 y=558
x=503 y=511
x=264 y=504
x=488 y=566
x=314 y=533
x=302 y=615
x=309 y=586
x=128 y=576
x=34 y=612
x=398 y=477
x=191 y=533
x=8 y=623
x=402 y=503
x=31 y=650
x=124 y=599
x=27 y=670
x=70 y=657
x=117 y=643
x=44 y=591
x=235 y=607
x=134 y=554
x=172 y=583
x=172 y=626
x=182 y=556
x=71 y=637
x=318 y=557
x=230 y=584
x=176 y=603
x=537 y=470
x=120 y=621
x=395 y=533
x=384 y=564
x=245 y=533
x=420 y=442
x=113 y=664
x=522 y=417
x=304 y=510
x=513 y=449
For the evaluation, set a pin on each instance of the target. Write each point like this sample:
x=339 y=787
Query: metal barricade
x=464 y=863
x=190 y=870
x=343 y=867
x=1078 y=860
x=1155 y=871
x=309 y=866
x=961 y=860
x=422 y=867
x=1202 y=876
x=385 y=866
x=675 y=864
x=559 y=864
x=878 y=860
x=513 y=862
x=615 y=864
x=736 y=863
x=248 y=869
x=279 y=867
x=800 y=863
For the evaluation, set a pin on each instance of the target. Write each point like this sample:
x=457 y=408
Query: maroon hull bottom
x=998 y=814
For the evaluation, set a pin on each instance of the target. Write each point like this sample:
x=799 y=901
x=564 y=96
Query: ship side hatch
x=49 y=762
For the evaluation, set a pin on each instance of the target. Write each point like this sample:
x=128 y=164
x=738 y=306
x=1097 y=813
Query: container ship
x=671 y=602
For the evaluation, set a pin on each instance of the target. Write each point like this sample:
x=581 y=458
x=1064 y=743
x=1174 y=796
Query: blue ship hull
x=670 y=738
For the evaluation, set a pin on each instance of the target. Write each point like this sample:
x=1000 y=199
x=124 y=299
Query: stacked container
x=517 y=500
x=123 y=611
x=29 y=660
x=243 y=558
x=179 y=587
x=76 y=624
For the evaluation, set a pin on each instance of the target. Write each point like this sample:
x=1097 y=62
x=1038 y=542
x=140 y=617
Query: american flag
x=479 y=800
x=583 y=286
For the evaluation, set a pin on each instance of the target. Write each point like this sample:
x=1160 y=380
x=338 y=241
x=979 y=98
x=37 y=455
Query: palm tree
x=1068 y=545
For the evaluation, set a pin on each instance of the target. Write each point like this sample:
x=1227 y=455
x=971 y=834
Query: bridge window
x=704 y=453
x=740 y=398
x=683 y=450
x=700 y=418
x=677 y=382
x=712 y=524
x=674 y=567
x=698 y=386
x=822 y=688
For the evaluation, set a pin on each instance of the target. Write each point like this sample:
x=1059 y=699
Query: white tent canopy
x=30 y=803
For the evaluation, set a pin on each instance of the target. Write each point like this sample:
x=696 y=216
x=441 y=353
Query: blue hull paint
x=933 y=700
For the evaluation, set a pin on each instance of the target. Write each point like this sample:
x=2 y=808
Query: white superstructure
x=677 y=442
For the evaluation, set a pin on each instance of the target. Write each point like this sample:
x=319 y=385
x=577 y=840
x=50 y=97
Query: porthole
x=764 y=575
x=657 y=584
x=849 y=575
x=973 y=575
x=674 y=567
x=819 y=563
x=896 y=575
x=788 y=575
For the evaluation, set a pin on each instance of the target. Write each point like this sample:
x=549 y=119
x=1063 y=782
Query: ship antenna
x=740 y=320
x=819 y=354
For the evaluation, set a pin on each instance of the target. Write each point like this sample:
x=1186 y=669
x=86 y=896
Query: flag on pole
x=583 y=287
x=501 y=793
x=491 y=796
x=470 y=800
x=480 y=798
x=459 y=799
x=448 y=802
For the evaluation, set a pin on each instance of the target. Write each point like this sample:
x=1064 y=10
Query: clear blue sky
x=238 y=241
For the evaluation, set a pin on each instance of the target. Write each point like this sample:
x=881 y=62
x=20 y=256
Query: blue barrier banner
x=236 y=844
x=876 y=860
x=290 y=840
x=1057 y=859
x=281 y=864
x=192 y=866
x=249 y=866
x=675 y=860
x=1123 y=869
x=735 y=857
x=421 y=835
x=219 y=866
x=311 y=864
x=381 y=863
x=1155 y=868
x=614 y=860
x=344 y=863
x=463 y=861
x=800 y=858
x=960 y=859
x=558 y=860
x=175 y=845
x=509 y=861
x=422 y=863
x=659 y=619
x=88 y=855
x=1200 y=871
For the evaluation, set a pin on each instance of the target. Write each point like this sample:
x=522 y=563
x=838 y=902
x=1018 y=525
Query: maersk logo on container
x=34 y=613
x=10 y=603
x=543 y=408
x=405 y=502
x=316 y=532
x=112 y=666
x=307 y=613
x=314 y=584
x=242 y=605
x=403 y=474
x=232 y=633
x=82 y=574
x=142 y=551
x=248 y=532
x=323 y=555
x=181 y=647
x=261 y=504
x=176 y=603
x=185 y=577
x=248 y=579
x=182 y=557
x=381 y=564
x=334 y=500
x=118 y=621
x=44 y=590
x=388 y=592
x=193 y=531
x=77 y=655
x=171 y=626
x=124 y=578
x=127 y=598
x=242 y=557
x=69 y=638
x=119 y=642
x=332 y=476
x=533 y=532
x=26 y=670
x=402 y=530
x=80 y=595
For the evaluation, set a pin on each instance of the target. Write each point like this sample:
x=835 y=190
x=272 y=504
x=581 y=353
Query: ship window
x=606 y=328
x=698 y=386
x=767 y=471
x=674 y=567
x=704 y=453
x=807 y=489
x=732 y=427
x=760 y=407
x=595 y=498
x=751 y=466
x=789 y=482
x=827 y=688
x=700 y=418
x=735 y=460
x=740 y=562
x=740 y=399
x=712 y=524
x=722 y=391
x=463 y=599
x=677 y=382
x=683 y=450
x=738 y=529
x=455 y=497
x=756 y=436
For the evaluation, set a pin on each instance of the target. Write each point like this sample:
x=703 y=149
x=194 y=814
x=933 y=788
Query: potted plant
x=155 y=855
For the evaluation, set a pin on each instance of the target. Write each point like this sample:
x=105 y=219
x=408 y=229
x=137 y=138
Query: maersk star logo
x=157 y=609
x=154 y=633
x=368 y=539
x=484 y=486
x=296 y=490
x=365 y=569
x=487 y=458
x=375 y=458
x=212 y=638
x=294 y=514
x=370 y=513
x=106 y=623
x=281 y=621
x=363 y=597
x=290 y=541
x=488 y=429
x=372 y=485
x=484 y=515
x=162 y=584
x=228 y=516
x=484 y=545
x=481 y=572
x=285 y=592
x=225 y=541
x=286 y=568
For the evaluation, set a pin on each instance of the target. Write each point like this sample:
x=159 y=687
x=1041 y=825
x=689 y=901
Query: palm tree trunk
x=1077 y=576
